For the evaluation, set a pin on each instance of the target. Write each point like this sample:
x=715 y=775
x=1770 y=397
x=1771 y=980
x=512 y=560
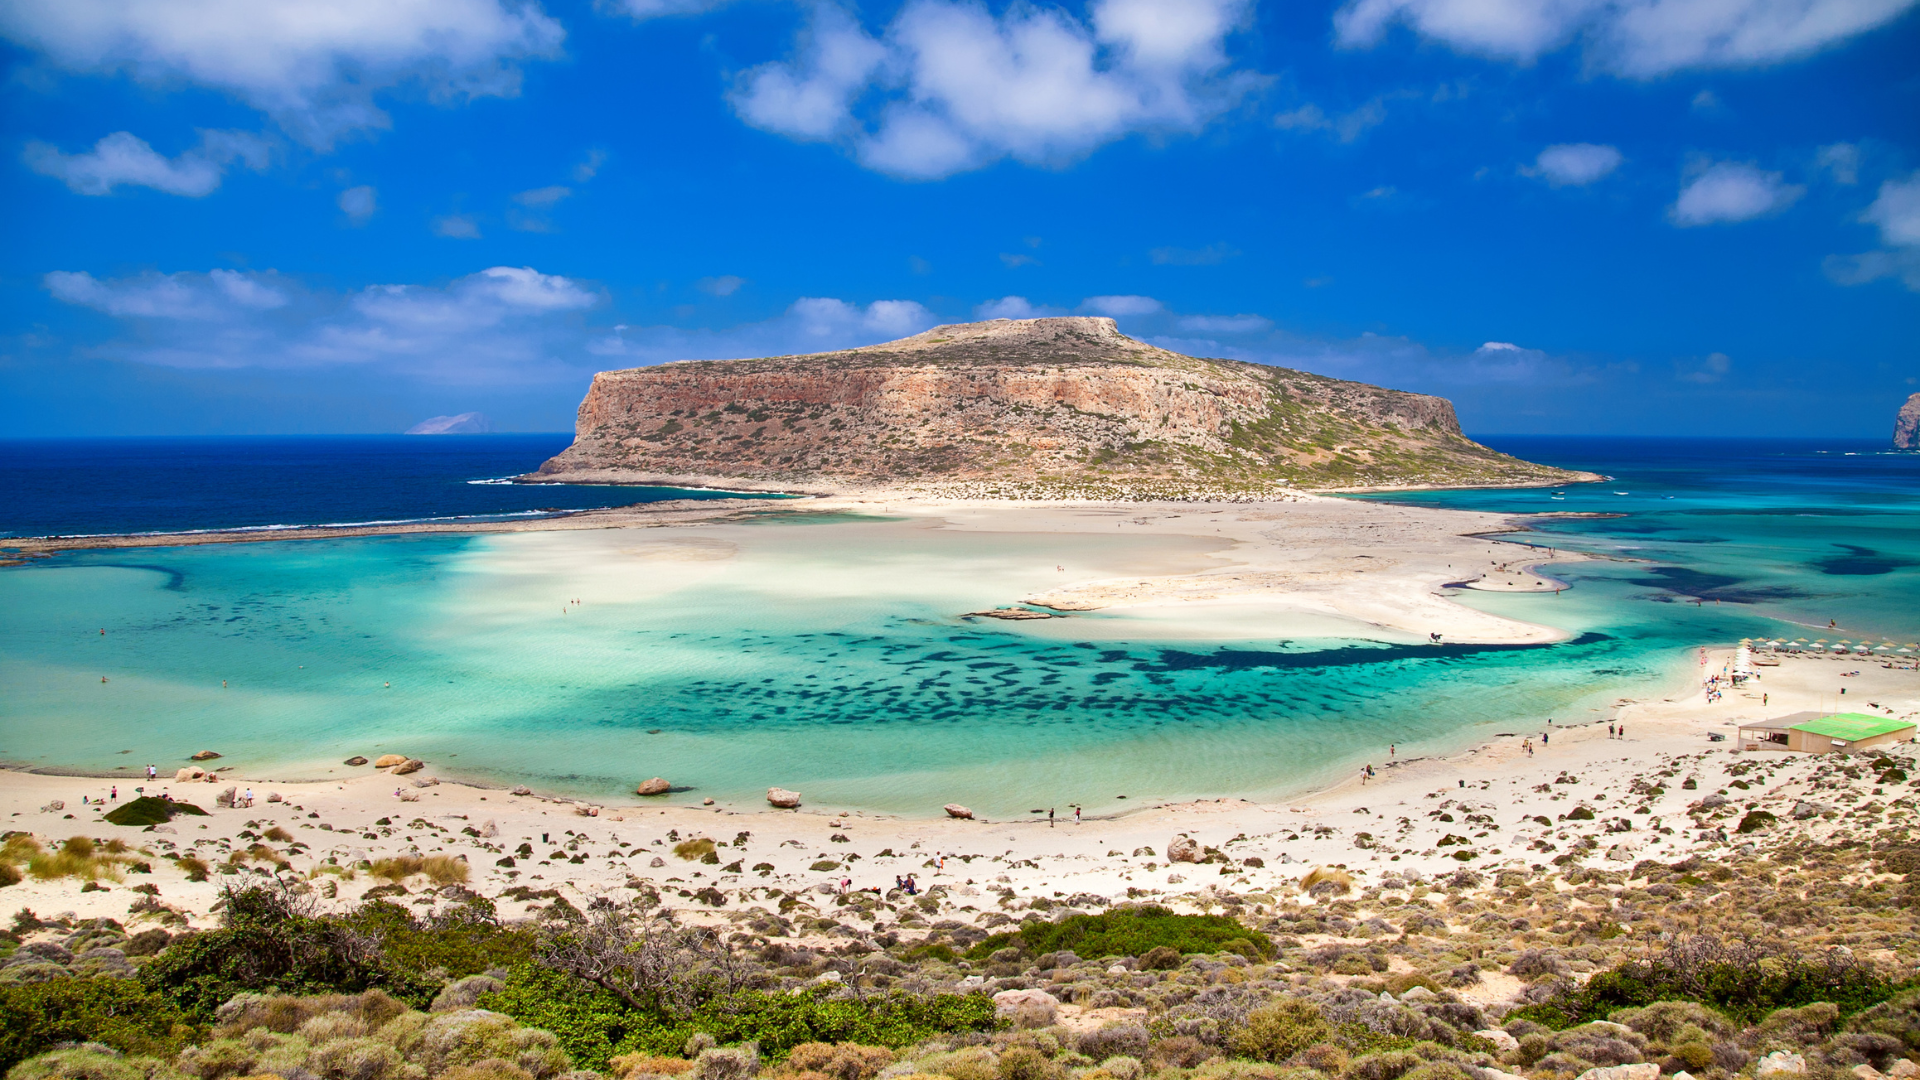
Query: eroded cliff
x=1018 y=407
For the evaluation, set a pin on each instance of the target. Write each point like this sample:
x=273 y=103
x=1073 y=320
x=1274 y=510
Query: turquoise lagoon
x=830 y=658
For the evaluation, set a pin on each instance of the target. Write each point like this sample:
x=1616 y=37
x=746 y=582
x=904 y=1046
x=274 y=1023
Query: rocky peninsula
x=1906 y=425
x=1021 y=408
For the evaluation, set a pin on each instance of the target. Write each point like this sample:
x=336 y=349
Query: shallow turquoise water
x=840 y=668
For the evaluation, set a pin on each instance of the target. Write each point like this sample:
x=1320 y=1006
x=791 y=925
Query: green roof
x=1853 y=726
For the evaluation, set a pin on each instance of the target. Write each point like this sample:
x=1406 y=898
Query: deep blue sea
x=83 y=486
x=831 y=657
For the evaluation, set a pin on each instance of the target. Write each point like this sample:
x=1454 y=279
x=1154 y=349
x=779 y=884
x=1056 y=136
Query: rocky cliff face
x=1018 y=407
x=1906 y=425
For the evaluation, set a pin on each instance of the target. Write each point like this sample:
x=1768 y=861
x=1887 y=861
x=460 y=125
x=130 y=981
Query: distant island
x=1020 y=408
x=1906 y=425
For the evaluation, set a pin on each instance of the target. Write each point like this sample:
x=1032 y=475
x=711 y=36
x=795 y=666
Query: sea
x=828 y=653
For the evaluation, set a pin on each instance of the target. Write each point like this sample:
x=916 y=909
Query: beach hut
x=1825 y=733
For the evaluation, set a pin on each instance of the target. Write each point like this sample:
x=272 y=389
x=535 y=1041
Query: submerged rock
x=356 y=760
x=204 y=755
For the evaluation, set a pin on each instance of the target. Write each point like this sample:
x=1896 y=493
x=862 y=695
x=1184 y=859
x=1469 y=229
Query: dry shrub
x=727 y=1063
x=972 y=1063
x=1179 y=1052
x=357 y=1059
x=1326 y=881
x=694 y=849
x=845 y=1061
x=285 y=1013
x=258 y=1051
x=1116 y=1038
x=464 y=993
x=77 y=857
x=398 y=868
x=490 y=1069
x=92 y=1062
x=1279 y=1030
x=452 y=1039
x=1026 y=1063
x=279 y=835
x=633 y=1065
x=1391 y=1065
x=445 y=870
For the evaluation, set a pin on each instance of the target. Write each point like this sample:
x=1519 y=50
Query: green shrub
x=1278 y=1031
x=89 y=1063
x=148 y=810
x=266 y=947
x=1739 y=981
x=593 y=1026
x=465 y=941
x=1131 y=932
x=116 y=1012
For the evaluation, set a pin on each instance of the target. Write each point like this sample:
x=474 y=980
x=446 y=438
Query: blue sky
x=1635 y=217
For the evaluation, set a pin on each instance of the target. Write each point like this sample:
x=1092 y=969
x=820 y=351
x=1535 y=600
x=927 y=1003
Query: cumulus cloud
x=1121 y=306
x=1575 y=164
x=948 y=86
x=359 y=203
x=125 y=158
x=1843 y=161
x=1731 y=191
x=216 y=296
x=1896 y=211
x=655 y=9
x=1632 y=38
x=314 y=66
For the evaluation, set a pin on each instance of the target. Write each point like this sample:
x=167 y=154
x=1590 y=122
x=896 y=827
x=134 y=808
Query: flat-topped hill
x=1026 y=407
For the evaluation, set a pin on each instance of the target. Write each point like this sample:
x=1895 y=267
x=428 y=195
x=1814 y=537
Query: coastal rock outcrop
x=388 y=761
x=1906 y=425
x=1018 y=406
x=655 y=786
x=356 y=760
x=782 y=798
x=955 y=810
x=411 y=765
x=204 y=755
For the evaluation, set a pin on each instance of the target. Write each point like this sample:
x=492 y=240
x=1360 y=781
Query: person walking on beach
x=1392 y=749
x=150 y=772
x=1049 y=817
x=113 y=794
x=1076 y=815
x=1529 y=747
x=1623 y=731
x=1543 y=738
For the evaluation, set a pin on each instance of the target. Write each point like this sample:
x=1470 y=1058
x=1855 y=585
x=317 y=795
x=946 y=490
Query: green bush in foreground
x=594 y=1026
x=1132 y=932
x=1738 y=981
x=117 y=1012
x=148 y=810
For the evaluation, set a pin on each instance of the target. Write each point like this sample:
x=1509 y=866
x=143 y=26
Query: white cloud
x=457 y=227
x=1015 y=307
x=654 y=9
x=1575 y=164
x=1843 y=161
x=314 y=66
x=1499 y=347
x=810 y=324
x=1122 y=306
x=216 y=296
x=124 y=158
x=949 y=87
x=1225 y=324
x=1346 y=127
x=589 y=166
x=543 y=197
x=1731 y=191
x=724 y=285
x=1633 y=38
x=359 y=203
x=502 y=325
x=1211 y=255
x=1711 y=370
x=1896 y=210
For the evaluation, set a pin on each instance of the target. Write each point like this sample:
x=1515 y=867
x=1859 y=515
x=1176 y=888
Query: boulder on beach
x=388 y=761
x=191 y=772
x=204 y=755
x=1183 y=848
x=410 y=765
x=356 y=760
x=521 y=791
x=955 y=810
x=655 y=786
x=782 y=798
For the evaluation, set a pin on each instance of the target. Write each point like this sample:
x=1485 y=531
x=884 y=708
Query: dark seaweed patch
x=1862 y=562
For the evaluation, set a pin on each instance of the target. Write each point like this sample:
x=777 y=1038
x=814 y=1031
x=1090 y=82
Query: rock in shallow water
x=955 y=810
x=655 y=786
x=782 y=798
